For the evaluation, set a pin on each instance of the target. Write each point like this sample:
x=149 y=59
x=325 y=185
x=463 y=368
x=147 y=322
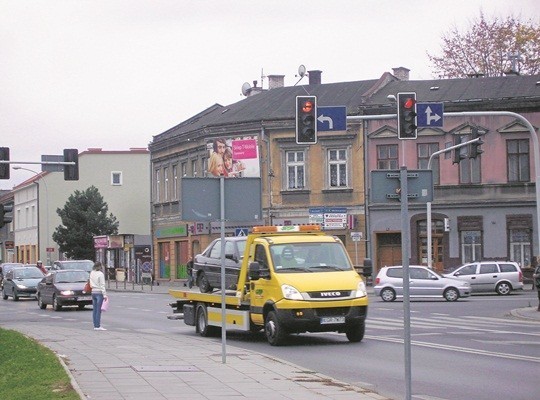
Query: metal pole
x=405 y=242
x=223 y=303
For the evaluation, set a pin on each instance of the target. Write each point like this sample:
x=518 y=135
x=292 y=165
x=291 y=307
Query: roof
x=361 y=97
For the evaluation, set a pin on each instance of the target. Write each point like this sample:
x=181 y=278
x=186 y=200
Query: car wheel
x=4 y=295
x=388 y=294
x=451 y=294
x=274 y=332
x=355 y=333
x=15 y=295
x=503 y=288
x=204 y=285
x=40 y=302
x=55 y=304
x=203 y=328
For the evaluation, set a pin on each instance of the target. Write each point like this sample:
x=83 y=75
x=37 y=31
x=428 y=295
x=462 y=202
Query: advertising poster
x=233 y=157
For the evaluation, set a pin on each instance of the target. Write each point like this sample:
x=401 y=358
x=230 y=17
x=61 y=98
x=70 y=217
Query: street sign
x=356 y=236
x=331 y=118
x=386 y=186
x=429 y=114
x=241 y=232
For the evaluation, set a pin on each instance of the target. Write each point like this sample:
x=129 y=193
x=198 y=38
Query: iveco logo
x=330 y=294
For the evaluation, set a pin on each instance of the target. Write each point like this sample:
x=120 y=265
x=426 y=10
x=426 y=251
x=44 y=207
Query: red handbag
x=87 y=287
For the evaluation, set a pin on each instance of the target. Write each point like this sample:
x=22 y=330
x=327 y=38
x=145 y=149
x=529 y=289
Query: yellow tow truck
x=292 y=279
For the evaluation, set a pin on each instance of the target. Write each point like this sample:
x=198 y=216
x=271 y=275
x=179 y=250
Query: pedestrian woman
x=97 y=282
x=536 y=278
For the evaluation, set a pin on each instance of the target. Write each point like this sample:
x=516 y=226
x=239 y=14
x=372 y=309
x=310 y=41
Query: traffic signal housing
x=4 y=217
x=406 y=113
x=460 y=152
x=71 y=172
x=475 y=149
x=306 y=119
x=4 y=168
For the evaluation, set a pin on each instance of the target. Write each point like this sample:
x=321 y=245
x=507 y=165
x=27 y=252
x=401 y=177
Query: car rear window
x=395 y=272
x=508 y=267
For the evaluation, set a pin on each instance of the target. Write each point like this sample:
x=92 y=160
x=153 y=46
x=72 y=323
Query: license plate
x=332 y=320
x=81 y=298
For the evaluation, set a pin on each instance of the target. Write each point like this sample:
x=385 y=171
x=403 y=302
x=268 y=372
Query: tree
x=84 y=215
x=489 y=48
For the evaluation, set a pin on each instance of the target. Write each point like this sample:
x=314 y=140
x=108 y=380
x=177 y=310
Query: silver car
x=423 y=282
x=490 y=276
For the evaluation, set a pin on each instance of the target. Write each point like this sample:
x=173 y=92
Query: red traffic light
x=409 y=103
x=307 y=107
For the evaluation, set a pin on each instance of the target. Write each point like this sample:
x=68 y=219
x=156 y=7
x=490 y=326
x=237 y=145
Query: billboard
x=233 y=157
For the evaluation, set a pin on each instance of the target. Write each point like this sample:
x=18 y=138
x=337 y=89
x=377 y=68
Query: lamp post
x=46 y=212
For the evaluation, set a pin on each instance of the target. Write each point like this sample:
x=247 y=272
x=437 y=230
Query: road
x=463 y=350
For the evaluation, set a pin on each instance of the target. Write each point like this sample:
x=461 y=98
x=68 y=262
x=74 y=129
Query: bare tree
x=489 y=48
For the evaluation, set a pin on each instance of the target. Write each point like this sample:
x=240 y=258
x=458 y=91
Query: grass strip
x=29 y=370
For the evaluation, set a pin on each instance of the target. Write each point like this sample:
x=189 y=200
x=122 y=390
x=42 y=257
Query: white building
x=122 y=178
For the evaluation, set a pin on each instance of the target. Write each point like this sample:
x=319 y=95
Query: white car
x=423 y=282
x=490 y=276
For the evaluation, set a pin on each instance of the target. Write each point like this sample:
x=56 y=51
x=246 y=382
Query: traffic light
x=5 y=219
x=4 y=168
x=306 y=119
x=71 y=172
x=459 y=153
x=406 y=113
x=475 y=149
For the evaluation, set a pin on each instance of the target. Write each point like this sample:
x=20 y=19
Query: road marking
x=457 y=349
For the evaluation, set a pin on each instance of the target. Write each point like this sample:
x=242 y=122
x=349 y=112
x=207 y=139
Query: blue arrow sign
x=429 y=114
x=331 y=118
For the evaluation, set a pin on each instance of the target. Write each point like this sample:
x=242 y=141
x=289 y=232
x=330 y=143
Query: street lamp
x=46 y=212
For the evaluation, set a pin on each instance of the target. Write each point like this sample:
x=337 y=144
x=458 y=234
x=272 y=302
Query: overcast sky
x=112 y=74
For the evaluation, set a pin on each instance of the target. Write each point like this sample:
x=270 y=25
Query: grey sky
x=112 y=74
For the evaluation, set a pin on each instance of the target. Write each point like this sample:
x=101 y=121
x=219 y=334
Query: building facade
x=489 y=199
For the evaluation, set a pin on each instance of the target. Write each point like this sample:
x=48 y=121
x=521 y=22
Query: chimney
x=314 y=77
x=401 y=73
x=276 y=81
x=255 y=89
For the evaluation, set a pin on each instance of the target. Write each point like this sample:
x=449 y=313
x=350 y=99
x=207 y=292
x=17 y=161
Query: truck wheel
x=203 y=328
x=204 y=285
x=274 y=332
x=355 y=333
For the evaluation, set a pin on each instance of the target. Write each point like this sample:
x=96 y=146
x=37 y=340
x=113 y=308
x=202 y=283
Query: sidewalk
x=119 y=364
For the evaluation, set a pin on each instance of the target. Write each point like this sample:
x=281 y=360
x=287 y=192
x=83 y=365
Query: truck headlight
x=361 y=290
x=290 y=292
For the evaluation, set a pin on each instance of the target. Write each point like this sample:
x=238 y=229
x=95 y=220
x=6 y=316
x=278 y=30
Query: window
x=520 y=246
x=469 y=168
x=295 y=161
x=425 y=150
x=488 y=269
x=175 y=182
x=471 y=246
x=157 y=187
x=337 y=168
x=184 y=169
x=204 y=163
x=468 y=270
x=387 y=156
x=194 y=168
x=166 y=184
x=116 y=178
x=518 y=160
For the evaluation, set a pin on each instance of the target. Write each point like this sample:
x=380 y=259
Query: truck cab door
x=259 y=284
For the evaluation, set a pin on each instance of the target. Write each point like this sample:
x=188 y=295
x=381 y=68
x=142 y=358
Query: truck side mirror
x=254 y=271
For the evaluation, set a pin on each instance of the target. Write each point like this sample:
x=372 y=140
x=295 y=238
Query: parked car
x=423 y=282
x=5 y=267
x=490 y=276
x=21 y=282
x=207 y=265
x=64 y=288
x=85 y=265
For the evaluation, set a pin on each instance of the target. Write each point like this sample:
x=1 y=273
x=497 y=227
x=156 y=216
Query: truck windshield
x=312 y=257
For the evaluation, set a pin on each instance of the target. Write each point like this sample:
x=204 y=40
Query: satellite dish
x=246 y=88
x=301 y=71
